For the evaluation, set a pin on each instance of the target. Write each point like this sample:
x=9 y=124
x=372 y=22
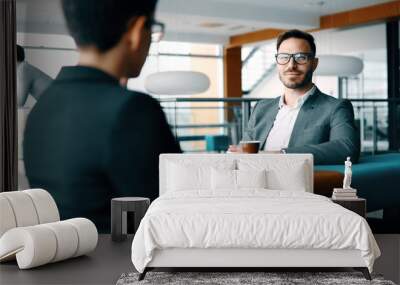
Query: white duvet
x=250 y=219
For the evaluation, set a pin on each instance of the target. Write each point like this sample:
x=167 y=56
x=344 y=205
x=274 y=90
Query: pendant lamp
x=177 y=83
x=338 y=65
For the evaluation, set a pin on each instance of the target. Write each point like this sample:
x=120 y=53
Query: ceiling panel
x=203 y=20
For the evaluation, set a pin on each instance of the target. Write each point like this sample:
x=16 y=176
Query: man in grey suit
x=303 y=119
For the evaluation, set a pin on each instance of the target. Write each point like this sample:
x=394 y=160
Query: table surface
x=130 y=199
x=349 y=199
x=102 y=266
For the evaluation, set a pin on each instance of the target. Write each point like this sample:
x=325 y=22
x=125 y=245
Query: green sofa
x=377 y=178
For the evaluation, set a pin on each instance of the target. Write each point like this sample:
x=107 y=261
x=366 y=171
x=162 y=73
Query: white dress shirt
x=279 y=136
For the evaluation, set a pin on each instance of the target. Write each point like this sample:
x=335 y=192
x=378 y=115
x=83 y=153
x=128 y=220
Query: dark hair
x=20 y=53
x=298 y=35
x=102 y=23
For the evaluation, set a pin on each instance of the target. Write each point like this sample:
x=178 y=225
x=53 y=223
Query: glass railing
x=371 y=117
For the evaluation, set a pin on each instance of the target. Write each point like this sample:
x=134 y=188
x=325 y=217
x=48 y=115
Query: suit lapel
x=268 y=123
x=304 y=117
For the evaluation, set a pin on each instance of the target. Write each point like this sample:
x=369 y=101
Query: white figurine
x=347 y=174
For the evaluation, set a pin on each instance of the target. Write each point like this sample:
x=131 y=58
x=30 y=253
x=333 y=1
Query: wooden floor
x=102 y=266
x=110 y=260
x=389 y=262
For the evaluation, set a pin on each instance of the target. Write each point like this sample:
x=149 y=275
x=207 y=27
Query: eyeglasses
x=299 y=58
x=157 y=31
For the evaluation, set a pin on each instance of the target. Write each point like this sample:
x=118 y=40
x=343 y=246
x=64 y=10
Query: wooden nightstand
x=357 y=205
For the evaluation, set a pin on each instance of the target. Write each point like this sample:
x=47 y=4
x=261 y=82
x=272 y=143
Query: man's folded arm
x=343 y=138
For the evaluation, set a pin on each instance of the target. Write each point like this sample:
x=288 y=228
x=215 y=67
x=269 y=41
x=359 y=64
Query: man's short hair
x=20 y=53
x=101 y=23
x=298 y=35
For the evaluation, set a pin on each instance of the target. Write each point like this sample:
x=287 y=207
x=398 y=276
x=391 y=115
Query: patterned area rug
x=242 y=278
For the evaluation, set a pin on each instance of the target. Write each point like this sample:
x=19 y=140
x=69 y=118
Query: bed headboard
x=285 y=170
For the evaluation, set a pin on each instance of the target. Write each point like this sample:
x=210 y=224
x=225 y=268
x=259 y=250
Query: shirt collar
x=300 y=100
x=80 y=72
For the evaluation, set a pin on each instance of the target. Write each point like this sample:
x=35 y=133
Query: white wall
x=48 y=52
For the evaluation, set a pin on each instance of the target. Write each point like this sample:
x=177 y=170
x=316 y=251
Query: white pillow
x=237 y=179
x=223 y=179
x=183 y=178
x=294 y=179
x=282 y=174
x=196 y=175
x=251 y=178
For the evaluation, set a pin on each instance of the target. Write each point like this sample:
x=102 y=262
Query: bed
x=246 y=211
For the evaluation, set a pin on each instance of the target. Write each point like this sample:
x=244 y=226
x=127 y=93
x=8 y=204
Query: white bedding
x=250 y=219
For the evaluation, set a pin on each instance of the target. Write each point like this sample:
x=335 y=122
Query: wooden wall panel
x=232 y=76
x=375 y=13
x=233 y=72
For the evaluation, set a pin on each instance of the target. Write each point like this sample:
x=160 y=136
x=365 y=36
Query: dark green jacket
x=88 y=140
x=324 y=127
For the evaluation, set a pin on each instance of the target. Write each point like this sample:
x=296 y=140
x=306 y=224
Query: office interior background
x=233 y=41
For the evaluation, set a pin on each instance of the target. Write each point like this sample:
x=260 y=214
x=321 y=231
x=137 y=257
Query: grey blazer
x=324 y=127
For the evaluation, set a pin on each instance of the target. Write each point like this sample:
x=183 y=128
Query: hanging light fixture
x=177 y=83
x=173 y=82
x=338 y=65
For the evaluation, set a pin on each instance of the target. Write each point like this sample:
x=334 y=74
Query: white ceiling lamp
x=177 y=83
x=338 y=65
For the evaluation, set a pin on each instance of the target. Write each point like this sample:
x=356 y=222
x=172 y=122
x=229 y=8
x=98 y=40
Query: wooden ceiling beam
x=375 y=13
x=253 y=37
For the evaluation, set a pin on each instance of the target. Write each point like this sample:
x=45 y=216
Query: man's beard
x=296 y=85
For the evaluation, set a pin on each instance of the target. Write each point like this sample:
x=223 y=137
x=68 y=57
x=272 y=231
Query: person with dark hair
x=30 y=79
x=89 y=139
x=303 y=119
x=20 y=53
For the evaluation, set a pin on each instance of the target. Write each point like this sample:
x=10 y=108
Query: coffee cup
x=250 y=146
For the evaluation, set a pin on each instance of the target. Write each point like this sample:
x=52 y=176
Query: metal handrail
x=246 y=109
x=211 y=99
x=246 y=103
x=375 y=100
x=246 y=99
x=202 y=126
